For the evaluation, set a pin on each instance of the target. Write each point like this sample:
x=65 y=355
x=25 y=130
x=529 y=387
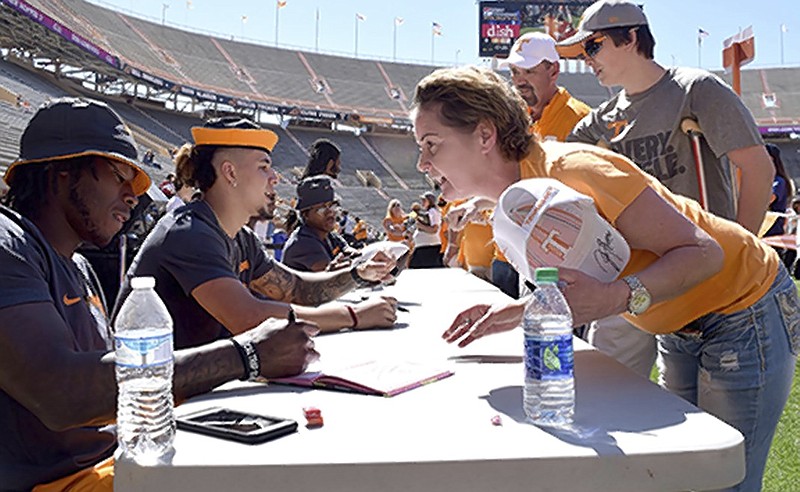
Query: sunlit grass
x=783 y=465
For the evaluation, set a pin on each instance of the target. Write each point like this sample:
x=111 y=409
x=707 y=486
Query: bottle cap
x=143 y=282
x=546 y=275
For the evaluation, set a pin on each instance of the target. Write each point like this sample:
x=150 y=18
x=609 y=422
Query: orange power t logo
x=617 y=126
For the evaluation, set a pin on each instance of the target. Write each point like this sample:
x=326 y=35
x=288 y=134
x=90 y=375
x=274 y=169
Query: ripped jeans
x=739 y=367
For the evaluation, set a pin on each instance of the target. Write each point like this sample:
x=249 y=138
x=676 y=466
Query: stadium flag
x=361 y=17
x=189 y=5
x=437 y=29
x=398 y=21
x=281 y=3
x=784 y=28
x=244 y=19
x=701 y=34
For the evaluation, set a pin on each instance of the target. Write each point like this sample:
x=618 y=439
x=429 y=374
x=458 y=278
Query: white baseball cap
x=531 y=49
x=542 y=222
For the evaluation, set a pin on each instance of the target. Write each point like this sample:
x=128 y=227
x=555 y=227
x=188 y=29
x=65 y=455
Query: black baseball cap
x=315 y=190
x=70 y=127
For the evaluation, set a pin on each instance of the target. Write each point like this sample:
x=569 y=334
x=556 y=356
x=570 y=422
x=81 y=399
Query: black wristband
x=360 y=282
x=250 y=360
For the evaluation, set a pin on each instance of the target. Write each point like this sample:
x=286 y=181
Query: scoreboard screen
x=503 y=22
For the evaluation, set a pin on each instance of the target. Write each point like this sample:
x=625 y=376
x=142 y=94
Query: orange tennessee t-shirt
x=613 y=181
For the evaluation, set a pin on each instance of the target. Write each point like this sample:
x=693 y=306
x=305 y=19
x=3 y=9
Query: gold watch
x=639 y=298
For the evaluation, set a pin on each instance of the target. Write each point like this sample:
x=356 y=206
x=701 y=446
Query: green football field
x=783 y=466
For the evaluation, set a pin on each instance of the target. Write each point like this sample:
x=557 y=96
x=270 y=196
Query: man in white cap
x=533 y=61
x=643 y=122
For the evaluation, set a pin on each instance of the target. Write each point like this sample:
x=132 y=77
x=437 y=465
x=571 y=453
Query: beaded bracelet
x=250 y=360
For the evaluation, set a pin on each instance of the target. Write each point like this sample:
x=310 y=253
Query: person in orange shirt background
x=395 y=221
x=360 y=233
x=477 y=248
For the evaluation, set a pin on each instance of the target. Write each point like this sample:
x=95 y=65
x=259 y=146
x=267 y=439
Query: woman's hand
x=590 y=299
x=484 y=319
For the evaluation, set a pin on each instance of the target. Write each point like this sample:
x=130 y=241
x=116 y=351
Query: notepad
x=382 y=378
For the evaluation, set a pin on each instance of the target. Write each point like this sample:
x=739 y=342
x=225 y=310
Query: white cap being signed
x=542 y=222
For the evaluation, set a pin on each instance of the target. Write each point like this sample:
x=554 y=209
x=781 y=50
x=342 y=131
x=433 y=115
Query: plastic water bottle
x=143 y=343
x=549 y=394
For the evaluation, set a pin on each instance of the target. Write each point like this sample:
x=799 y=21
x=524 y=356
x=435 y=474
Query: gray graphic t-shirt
x=645 y=127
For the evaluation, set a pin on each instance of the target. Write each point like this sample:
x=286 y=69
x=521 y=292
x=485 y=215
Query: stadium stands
x=278 y=73
x=400 y=151
x=369 y=90
x=33 y=91
x=354 y=155
x=584 y=86
x=289 y=77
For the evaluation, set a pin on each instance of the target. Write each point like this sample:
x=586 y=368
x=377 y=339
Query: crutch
x=692 y=129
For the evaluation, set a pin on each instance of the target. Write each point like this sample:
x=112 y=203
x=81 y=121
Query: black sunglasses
x=593 y=46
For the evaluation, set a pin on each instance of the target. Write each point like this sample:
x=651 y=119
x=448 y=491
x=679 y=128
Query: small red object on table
x=313 y=417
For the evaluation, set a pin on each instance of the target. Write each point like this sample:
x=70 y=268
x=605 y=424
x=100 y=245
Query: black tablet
x=225 y=423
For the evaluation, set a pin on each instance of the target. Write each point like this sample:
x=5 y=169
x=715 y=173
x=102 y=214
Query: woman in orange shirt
x=394 y=223
x=725 y=312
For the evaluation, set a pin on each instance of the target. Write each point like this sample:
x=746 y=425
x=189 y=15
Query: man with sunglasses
x=643 y=121
x=76 y=181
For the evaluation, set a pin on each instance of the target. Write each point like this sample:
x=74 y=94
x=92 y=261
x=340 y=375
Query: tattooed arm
x=314 y=288
x=230 y=302
x=305 y=288
x=84 y=391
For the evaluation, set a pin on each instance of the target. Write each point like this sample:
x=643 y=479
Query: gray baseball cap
x=602 y=15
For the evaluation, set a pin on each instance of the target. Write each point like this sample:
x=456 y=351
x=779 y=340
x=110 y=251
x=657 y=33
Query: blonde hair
x=468 y=95
x=392 y=203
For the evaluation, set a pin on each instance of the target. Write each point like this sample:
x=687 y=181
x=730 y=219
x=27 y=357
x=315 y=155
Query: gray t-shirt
x=32 y=272
x=186 y=249
x=645 y=127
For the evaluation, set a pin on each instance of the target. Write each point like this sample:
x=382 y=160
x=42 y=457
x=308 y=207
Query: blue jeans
x=739 y=367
